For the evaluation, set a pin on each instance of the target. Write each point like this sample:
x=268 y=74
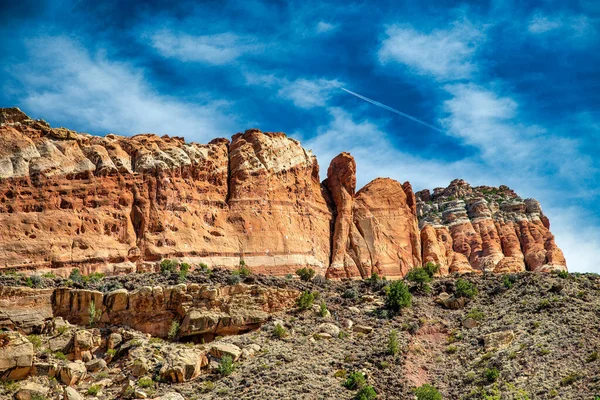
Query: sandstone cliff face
x=485 y=229
x=116 y=204
x=121 y=204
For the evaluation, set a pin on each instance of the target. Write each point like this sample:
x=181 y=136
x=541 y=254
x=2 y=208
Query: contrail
x=393 y=110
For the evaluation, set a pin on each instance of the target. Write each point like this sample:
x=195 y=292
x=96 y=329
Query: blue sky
x=514 y=86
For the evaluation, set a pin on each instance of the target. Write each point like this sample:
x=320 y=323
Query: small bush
x=563 y=274
x=592 y=357
x=244 y=271
x=476 y=314
x=60 y=355
x=95 y=277
x=184 y=268
x=323 y=309
x=507 y=282
x=491 y=374
x=204 y=268
x=35 y=340
x=306 y=274
x=76 y=276
x=36 y=281
x=226 y=366
x=397 y=296
x=173 y=330
x=279 y=331
x=145 y=382
x=431 y=268
x=427 y=392
x=306 y=300
x=366 y=393
x=93 y=390
x=234 y=278
x=465 y=288
x=543 y=305
x=93 y=313
x=393 y=346
x=111 y=352
x=49 y=275
x=350 y=294
x=569 y=379
x=355 y=380
x=168 y=266
x=421 y=277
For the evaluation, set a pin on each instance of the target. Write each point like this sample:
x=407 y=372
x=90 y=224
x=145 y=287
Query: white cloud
x=443 y=54
x=306 y=93
x=216 y=49
x=68 y=83
x=570 y=26
x=323 y=27
x=542 y=24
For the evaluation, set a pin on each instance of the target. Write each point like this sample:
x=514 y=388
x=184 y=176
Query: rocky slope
x=521 y=336
x=121 y=204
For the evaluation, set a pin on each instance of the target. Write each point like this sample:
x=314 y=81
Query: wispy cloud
x=306 y=93
x=569 y=25
x=68 y=83
x=323 y=27
x=444 y=54
x=216 y=49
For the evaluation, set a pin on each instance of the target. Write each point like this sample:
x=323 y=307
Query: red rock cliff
x=121 y=204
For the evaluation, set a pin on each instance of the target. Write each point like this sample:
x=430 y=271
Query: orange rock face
x=122 y=204
x=485 y=229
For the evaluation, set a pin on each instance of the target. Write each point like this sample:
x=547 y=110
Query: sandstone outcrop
x=484 y=228
x=119 y=204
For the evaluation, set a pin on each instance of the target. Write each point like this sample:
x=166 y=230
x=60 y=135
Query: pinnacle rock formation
x=121 y=204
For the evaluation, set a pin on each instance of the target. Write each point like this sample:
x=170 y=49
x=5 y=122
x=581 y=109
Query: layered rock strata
x=483 y=228
x=120 y=204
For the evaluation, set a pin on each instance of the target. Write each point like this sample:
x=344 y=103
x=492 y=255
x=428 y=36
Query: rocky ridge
x=118 y=204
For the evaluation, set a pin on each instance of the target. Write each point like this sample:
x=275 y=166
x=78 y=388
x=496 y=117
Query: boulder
x=183 y=365
x=72 y=373
x=72 y=394
x=96 y=364
x=329 y=328
x=498 y=340
x=220 y=349
x=16 y=356
x=363 y=329
x=32 y=391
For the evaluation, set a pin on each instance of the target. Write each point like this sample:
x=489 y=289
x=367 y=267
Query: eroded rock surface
x=119 y=204
x=485 y=229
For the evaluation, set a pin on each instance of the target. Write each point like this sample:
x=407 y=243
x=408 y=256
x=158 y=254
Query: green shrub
x=306 y=300
x=95 y=277
x=507 y=282
x=111 y=352
x=350 y=294
x=36 y=281
x=570 y=379
x=421 y=277
x=145 y=382
x=234 y=278
x=279 y=331
x=491 y=374
x=476 y=314
x=168 y=266
x=173 y=330
x=93 y=313
x=93 y=390
x=204 y=268
x=563 y=274
x=397 y=296
x=60 y=355
x=431 y=268
x=427 y=392
x=366 y=393
x=226 y=366
x=35 y=340
x=49 y=275
x=355 y=380
x=244 y=271
x=306 y=274
x=76 y=276
x=184 y=268
x=593 y=356
x=465 y=288
x=323 y=309
x=393 y=346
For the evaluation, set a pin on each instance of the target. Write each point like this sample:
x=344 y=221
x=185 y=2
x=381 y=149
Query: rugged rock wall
x=121 y=204
x=486 y=229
